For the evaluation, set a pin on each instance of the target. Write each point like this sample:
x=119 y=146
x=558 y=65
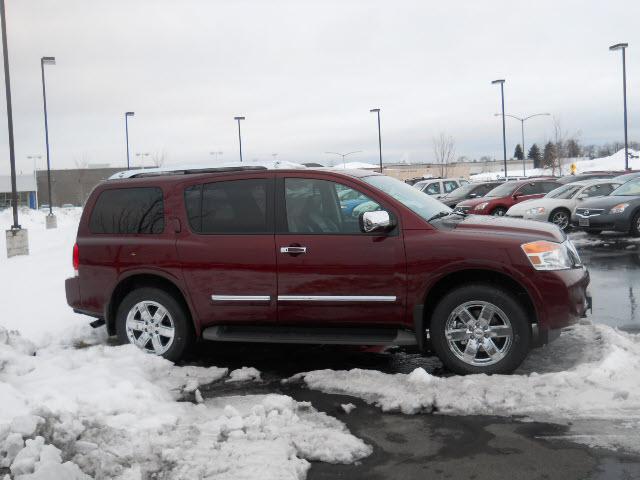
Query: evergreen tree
x=573 y=148
x=549 y=155
x=518 y=153
x=534 y=154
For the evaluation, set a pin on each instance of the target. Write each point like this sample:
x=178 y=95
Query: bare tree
x=159 y=158
x=444 y=149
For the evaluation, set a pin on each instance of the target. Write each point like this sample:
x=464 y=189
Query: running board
x=310 y=335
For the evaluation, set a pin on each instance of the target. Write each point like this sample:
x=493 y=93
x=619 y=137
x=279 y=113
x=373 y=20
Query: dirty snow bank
x=590 y=372
x=116 y=412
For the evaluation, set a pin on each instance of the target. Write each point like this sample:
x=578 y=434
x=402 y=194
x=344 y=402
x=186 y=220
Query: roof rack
x=154 y=172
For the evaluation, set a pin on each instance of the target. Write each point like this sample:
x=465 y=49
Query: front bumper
x=606 y=221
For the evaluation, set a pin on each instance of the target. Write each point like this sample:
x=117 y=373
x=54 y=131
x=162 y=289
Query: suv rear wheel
x=480 y=328
x=499 y=212
x=152 y=320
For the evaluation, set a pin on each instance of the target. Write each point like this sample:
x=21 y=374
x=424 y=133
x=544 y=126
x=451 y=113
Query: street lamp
x=17 y=239
x=522 y=120
x=377 y=110
x=239 y=135
x=141 y=155
x=126 y=132
x=51 y=219
x=623 y=46
x=504 y=128
x=215 y=155
x=343 y=155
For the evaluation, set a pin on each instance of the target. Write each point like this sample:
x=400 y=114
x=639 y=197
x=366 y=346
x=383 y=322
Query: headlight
x=481 y=206
x=535 y=211
x=545 y=255
x=621 y=207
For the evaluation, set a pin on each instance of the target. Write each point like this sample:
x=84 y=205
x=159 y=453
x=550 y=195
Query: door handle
x=293 y=250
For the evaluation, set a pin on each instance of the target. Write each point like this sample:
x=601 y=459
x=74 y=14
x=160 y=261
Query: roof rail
x=154 y=172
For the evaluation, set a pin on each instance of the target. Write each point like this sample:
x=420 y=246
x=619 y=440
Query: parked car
x=620 y=211
x=67 y=205
x=256 y=255
x=506 y=195
x=626 y=177
x=469 y=190
x=586 y=176
x=557 y=205
x=438 y=187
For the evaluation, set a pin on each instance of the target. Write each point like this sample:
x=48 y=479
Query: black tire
x=635 y=225
x=183 y=337
x=502 y=299
x=563 y=213
x=499 y=212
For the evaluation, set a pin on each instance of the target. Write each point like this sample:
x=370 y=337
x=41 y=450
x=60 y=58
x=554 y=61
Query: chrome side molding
x=241 y=298
x=336 y=298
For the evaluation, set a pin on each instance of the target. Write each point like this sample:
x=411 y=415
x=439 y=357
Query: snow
x=244 y=374
x=354 y=166
x=74 y=406
x=591 y=372
x=347 y=407
x=615 y=162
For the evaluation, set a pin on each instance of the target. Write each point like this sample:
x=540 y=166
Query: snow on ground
x=244 y=374
x=71 y=404
x=591 y=372
x=613 y=162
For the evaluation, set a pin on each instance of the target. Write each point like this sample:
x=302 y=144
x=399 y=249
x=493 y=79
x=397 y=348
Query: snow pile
x=615 y=162
x=116 y=411
x=244 y=374
x=590 y=372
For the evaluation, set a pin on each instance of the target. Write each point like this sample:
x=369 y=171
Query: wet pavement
x=453 y=447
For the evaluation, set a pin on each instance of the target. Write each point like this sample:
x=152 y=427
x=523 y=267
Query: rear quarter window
x=128 y=211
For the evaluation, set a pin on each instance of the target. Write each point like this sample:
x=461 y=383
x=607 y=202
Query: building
x=27 y=191
x=71 y=186
x=454 y=170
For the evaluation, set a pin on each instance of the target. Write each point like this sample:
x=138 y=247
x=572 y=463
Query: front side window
x=228 y=207
x=450 y=186
x=599 y=190
x=321 y=206
x=432 y=188
x=128 y=211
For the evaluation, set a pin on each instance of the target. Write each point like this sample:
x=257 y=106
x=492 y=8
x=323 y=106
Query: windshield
x=628 y=189
x=410 y=197
x=503 y=190
x=462 y=190
x=626 y=177
x=564 y=192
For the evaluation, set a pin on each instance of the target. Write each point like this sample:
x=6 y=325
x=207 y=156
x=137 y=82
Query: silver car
x=439 y=187
x=558 y=205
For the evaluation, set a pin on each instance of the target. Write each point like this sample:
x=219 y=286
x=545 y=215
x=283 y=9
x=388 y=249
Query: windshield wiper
x=446 y=214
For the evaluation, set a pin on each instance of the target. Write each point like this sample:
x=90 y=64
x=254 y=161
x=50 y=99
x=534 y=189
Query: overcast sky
x=306 y=73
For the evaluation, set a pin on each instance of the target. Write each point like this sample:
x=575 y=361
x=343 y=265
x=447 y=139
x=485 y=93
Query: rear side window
x=236 y=206
x=128 y=211
x=450 y=186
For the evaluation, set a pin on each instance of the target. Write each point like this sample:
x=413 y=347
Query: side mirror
x=472 y=195
x=378 y=221
x=582 y=196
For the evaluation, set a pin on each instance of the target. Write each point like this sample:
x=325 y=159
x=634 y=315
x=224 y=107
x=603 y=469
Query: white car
x=557 y=205
x=439 y=187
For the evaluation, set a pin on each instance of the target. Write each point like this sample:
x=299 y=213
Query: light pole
x=623 y=46
x=126 y=132
x=35 y=158
x=377 y=110
x=504 y=128
x=215 y=155
x=239 y=135
x=343 y=155
x=141 y=156
x=522 y=120
x=51 y=219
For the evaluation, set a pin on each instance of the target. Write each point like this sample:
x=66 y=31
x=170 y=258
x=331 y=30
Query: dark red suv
x=500 y=199
x=256 y=255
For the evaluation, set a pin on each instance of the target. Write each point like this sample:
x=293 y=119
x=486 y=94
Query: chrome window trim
x=241 y=298
x=337 y=298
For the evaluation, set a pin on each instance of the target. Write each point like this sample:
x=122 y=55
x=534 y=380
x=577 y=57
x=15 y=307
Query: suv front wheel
x=152 y=320
x=480 y=328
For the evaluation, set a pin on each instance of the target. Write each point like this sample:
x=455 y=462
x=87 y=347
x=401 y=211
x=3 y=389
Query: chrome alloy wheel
x=479 y=333
x=561 y=219
x=150 y=327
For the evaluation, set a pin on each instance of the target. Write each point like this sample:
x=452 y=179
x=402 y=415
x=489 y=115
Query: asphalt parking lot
x=455 y=447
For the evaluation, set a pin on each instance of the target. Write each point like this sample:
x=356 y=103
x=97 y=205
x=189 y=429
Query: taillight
x=76 y=257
